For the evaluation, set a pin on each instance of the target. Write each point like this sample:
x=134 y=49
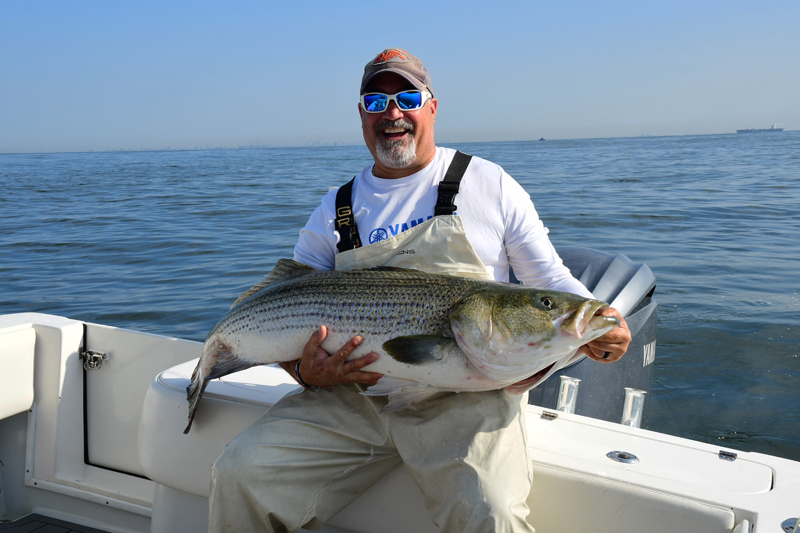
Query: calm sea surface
x=164 y=241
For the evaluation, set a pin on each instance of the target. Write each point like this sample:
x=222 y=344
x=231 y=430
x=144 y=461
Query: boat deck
x=44 y=524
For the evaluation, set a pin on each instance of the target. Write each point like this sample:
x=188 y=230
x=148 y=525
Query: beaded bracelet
x=302 y=383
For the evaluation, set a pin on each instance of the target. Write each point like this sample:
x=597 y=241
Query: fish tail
x=194 y=391
x=226 y=362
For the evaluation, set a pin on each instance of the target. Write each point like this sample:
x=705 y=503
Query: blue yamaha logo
x=378 y=234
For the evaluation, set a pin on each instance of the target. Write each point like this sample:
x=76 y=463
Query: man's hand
x=321 y=369
x=615 y=343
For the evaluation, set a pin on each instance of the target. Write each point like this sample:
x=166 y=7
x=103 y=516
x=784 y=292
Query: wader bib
x=312 y=454
x=439 y=245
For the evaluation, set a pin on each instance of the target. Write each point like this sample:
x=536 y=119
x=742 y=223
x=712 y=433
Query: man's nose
x=392 y=112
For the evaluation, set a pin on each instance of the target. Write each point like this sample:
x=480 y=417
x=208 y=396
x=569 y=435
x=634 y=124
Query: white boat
x=91 y=434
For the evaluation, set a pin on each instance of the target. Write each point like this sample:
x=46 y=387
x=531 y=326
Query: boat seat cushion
x=564 y=500
x=16 y=377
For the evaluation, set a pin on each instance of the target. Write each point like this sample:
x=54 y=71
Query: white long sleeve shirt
x=498 y=216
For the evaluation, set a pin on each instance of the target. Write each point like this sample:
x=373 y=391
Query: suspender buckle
x=448 y=188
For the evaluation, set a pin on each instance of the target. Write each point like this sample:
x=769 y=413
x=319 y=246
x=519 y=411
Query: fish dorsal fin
x=284 y=269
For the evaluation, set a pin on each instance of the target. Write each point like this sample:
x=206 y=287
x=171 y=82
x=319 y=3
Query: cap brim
x=411 y=79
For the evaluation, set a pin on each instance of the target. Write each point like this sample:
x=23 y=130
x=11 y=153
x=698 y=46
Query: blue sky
x=80 y=76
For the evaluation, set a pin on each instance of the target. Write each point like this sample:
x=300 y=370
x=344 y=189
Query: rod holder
x=633 y=409
x=567 y=394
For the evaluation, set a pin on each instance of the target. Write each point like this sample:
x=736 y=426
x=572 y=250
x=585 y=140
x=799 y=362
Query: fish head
x=512 y=332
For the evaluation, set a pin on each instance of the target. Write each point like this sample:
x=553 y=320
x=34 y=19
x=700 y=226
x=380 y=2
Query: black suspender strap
x=345 y=220
x=448 y=187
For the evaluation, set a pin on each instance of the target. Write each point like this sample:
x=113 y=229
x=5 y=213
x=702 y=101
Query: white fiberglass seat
x=228 y=406
x=182 y=463
x=569 y=491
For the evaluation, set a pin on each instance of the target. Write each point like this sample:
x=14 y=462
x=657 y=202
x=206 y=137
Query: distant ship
x=773 y=128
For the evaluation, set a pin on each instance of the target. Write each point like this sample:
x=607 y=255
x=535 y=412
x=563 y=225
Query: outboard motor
x=616 y=392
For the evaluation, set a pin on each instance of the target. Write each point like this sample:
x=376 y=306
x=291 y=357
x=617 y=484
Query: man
x=312 y=454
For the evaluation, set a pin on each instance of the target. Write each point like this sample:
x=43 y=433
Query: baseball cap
x=400 y=62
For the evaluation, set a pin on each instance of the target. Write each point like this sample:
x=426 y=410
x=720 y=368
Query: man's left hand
x=614 y=343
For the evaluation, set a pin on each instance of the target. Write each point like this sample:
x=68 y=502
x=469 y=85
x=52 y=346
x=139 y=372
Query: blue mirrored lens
x=409 y=100
x=375 y=102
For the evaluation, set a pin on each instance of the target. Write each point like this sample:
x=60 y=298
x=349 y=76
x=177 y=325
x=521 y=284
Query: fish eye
x=547 y=302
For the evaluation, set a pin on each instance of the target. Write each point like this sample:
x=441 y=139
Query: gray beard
x=398 y=153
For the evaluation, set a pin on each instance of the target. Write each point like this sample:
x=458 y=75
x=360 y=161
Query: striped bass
x=432 y=332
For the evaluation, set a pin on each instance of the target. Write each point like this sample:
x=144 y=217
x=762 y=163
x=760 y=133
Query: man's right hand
x=321 y=369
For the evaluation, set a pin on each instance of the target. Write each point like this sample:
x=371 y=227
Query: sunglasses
x=405 y=101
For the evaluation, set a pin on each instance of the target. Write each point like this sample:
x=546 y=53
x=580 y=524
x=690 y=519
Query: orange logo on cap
x=389 y=54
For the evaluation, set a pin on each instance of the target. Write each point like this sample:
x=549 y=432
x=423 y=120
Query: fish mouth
x=537 y=377
x=588 y=318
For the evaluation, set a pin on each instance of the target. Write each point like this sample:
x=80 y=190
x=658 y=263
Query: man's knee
x=243 y=468
x=495 y=514
x=245 y=495
x=473 y=501
x=223 y=469
x=232 y=464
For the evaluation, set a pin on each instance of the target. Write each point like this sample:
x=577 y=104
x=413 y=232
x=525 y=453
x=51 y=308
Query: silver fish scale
x=379 y=302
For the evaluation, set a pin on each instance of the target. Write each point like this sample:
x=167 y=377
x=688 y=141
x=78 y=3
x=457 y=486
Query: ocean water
x=164 y=241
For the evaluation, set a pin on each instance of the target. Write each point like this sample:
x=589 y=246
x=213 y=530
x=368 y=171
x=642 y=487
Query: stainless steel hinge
x=549 y=415
x=93 y=360
x=727 y=456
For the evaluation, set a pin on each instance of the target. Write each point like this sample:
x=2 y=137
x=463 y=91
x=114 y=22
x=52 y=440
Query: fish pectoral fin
x=419 y=349
x=229 y=366
x=407 y=398
x=285 y=269
x=389 y=385
x=402 y=393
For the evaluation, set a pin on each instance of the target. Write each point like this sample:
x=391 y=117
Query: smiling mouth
x=394 y=129
x=394 y=133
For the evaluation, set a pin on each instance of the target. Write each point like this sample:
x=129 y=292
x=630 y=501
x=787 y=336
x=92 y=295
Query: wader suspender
x=345 y=220
x=448 y=188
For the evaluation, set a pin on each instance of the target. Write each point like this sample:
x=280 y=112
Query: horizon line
x=336 y=144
